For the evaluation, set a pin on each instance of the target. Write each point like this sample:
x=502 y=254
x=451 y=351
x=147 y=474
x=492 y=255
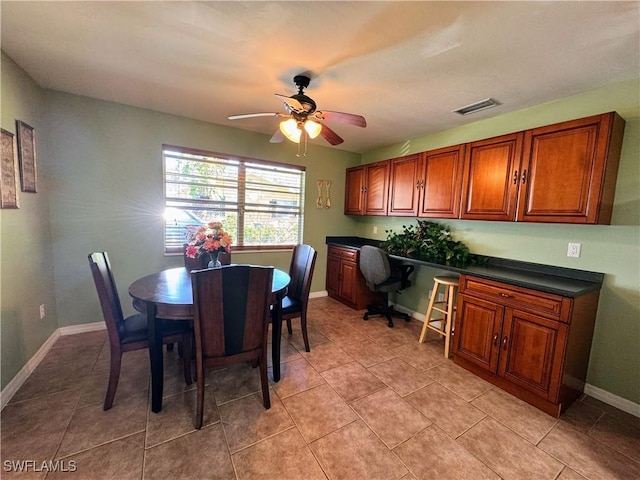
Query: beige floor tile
x=401 y=376
x=352 y=381
x=117 y=460
x=390 y=416
x=587 y=456
x=318 y=411
x=69 y=377
x=85 y=355
x=611 y=410
x=444 y=408
x=288 y=353
x=233 y=382
x=246 y=421
x=326 y=356
x=284 y=456
x=133 y=379
x=581 y=416
x=460 y=381
x=295 y=377
x=619 y=434
x=197 y=455
x=568 y=474
x=354 y=452
x=487 y=440
x=342 y=333
x=80 y=339
x=91 y=426
x=316 y=338
x=432 y=454
x=33 y=429
x=177 y=416
x=367 y=353
x=527 y=421
x=388 y=340
x=421 y=356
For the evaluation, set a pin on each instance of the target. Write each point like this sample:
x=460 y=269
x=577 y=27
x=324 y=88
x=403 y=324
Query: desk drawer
x=346 y=253
x=542 y=303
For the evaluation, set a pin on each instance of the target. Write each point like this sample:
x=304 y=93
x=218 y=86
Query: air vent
x=476 y=107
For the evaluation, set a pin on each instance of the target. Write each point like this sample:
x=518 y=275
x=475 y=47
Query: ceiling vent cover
x=476 y=107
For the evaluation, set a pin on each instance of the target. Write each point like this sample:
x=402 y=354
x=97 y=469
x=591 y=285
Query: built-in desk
x=524 y=327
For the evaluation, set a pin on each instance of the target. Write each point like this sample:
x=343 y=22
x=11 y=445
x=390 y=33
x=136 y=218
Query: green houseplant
x=431 y=242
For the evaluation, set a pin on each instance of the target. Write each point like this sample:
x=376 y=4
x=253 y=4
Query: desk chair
x=382 y=277
x=130 y=333
x=231 y=320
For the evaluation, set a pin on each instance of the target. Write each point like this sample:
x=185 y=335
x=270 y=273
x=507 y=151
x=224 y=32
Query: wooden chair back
x=108 y=295
x=303 y=262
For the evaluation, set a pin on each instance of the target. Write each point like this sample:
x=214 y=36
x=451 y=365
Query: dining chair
x=294 y=304
x=130 y=333
x=383 y=277
x=231 y=310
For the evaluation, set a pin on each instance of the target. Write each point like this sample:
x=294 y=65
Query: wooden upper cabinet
x=366 y=189
x=427 y=184
x=571 y=171
x=376 y=188
x=491 y=178
x=441 y=182
x=404 y=185
x=354 y=191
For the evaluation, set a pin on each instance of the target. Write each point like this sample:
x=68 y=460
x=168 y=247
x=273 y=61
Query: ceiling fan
x=304 y=120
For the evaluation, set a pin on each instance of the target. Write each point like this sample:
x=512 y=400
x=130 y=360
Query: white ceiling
x=404 y=66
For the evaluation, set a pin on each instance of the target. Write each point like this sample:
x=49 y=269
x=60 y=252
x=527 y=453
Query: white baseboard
x=613 y=400
x=322 y=293
x=16 y=382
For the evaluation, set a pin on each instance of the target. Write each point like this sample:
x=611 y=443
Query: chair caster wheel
x=366 y=316
x=390 y=324
x=407 y=319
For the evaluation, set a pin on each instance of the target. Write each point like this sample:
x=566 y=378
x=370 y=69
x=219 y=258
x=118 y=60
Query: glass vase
x=213 y=260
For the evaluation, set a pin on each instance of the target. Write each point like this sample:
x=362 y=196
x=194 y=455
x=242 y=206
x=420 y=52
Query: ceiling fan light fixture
x=290 y=130
x=313 y=128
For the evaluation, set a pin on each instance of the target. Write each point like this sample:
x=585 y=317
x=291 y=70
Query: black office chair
x=382 y=277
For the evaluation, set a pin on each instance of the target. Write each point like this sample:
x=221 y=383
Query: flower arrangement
x=208 y=239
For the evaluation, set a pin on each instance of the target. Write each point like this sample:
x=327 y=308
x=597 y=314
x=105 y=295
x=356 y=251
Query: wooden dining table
x=168 y=295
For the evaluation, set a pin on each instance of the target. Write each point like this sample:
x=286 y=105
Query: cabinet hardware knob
x=506 y=295
x=515 y=177
x=504 y=343
x=418 y=184
x=422 y=184
x=524 y=176
x=495 y=340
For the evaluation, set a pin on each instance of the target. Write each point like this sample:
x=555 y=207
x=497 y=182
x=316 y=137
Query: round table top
x=173 y=286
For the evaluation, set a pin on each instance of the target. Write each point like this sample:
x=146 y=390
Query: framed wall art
x=26 y=156
x=8 y=181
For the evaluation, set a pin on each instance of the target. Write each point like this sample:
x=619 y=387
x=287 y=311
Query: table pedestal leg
x=276 y=321
x=155 y=358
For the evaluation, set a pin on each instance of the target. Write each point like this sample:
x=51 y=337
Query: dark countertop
x=566 y=282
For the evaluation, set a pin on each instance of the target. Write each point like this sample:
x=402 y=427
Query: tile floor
x=368 y=402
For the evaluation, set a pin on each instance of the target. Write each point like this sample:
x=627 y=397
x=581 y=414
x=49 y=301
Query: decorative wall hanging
x=27 y=156
x=327 y=203
x=8 y=185
x=319 y=202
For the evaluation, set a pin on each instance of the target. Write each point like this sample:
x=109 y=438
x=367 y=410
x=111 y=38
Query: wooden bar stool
x=441 y=325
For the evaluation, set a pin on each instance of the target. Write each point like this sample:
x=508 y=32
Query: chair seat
x=391 y=285
x=291 y=305
x=134 y=328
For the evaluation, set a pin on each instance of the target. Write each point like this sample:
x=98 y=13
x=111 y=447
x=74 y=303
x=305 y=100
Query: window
x=259 y=203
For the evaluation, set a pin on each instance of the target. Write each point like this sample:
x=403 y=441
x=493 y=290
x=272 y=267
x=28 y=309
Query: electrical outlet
x=375 y=229
x=441 y=297
x=573 y=250
x=41 y=311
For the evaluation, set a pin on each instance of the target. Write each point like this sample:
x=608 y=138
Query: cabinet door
x=441 y=183
x=348 y=281
x=565 y=171
x=404 y=186
x=491 y=178
x=354 y=191
x=376 y=188
x=477 y=331
x=333 y=275
x=531 y=352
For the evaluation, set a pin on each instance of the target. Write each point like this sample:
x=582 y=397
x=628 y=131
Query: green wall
x=100 y=188
x=611 y=249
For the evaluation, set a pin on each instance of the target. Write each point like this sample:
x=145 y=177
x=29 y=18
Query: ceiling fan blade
x=348 y=118
x=294 y=104
x=278 y=137
x=330 y=136
x=252 y=115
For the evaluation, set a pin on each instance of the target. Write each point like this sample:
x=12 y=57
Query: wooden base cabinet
x=535 y=345
x=345 y=282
